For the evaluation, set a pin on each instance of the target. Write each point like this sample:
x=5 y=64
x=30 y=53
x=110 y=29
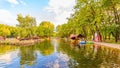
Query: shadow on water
x=59 y=54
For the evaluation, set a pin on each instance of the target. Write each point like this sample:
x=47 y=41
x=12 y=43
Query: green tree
x=27 y=24
x=45 y=29
x=93 y=16
x=4 y=30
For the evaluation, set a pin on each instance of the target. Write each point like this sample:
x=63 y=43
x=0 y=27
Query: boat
x=82 y=42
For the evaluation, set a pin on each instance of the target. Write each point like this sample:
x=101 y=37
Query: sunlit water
x=58 y=54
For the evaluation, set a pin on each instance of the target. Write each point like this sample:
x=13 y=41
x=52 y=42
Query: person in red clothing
x=97 y=37
x=2 y=38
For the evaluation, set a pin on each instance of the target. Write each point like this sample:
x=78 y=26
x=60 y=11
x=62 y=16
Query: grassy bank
x=112 y=41
x=14 y=41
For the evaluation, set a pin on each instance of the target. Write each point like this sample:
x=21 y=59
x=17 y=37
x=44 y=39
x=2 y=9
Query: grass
x=112 y=41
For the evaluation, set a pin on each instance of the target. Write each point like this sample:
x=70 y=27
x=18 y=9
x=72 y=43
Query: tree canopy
x=92 y=16
x=27 y=27
x=45 y=29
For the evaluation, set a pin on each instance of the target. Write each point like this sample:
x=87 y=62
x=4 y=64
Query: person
x=98 y=37
x=2 y=38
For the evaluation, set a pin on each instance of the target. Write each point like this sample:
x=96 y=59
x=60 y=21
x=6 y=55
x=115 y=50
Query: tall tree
x=45 y=29
x=28 y=24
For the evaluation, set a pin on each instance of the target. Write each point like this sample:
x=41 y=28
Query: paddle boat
x=88 y=42
x=82 y=42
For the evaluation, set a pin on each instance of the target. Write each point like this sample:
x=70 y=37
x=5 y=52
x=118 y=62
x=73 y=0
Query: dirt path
x=108 y=44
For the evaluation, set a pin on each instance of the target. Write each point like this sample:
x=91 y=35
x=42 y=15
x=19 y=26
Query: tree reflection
x=27 y=55
x=7 y=48
x=91 y=56
x=45 y=48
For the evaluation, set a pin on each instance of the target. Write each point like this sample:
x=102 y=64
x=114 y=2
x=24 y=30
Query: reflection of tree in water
x=27 y=55
x=45 y=48
x=109 y=56
x=7 y=48
x=90 y=56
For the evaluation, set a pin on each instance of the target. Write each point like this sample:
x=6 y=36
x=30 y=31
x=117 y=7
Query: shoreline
x=117 y=46
x=21 y=43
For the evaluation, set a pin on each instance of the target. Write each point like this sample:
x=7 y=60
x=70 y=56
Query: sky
x=55 y=11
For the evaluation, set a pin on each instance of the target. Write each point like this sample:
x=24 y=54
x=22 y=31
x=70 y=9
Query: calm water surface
x=58 y=54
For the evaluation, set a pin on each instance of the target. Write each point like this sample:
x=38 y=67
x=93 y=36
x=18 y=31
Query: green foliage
x=26 y=22
x=27 y=26
x=4 y=30
x=92 y=16
x=45 y=29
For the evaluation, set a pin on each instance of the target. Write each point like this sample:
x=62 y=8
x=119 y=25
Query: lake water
x=58 y=54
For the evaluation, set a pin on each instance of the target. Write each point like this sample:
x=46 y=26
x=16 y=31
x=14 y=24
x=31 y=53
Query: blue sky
x=55 y=11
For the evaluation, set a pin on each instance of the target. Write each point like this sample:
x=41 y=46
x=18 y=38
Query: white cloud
x=16 y=2
x=8 y=57
x=22 y=2
x=61 y=10
x=57 y=11
x=7 y=18
x=13 y=2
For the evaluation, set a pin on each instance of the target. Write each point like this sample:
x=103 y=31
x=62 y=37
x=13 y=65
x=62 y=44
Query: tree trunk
x=116 y=36
x=116 y=22
x=109 y=37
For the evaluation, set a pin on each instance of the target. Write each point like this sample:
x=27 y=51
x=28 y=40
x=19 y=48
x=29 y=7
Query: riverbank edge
x=117 y=46
x=22 y=43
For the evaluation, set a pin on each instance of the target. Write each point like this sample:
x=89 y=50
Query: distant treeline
x=27 y=28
